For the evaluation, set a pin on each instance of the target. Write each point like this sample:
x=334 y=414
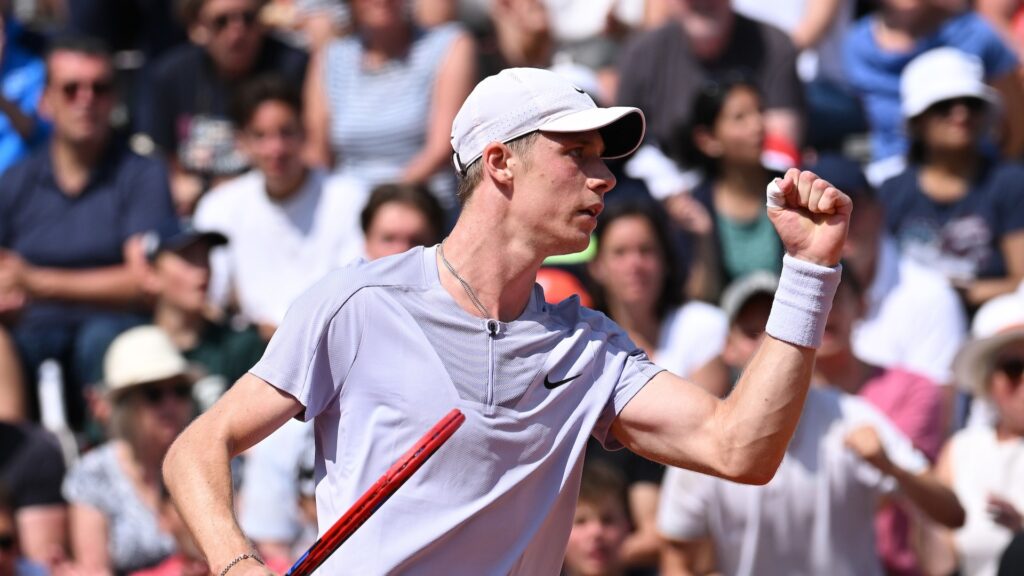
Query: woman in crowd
x=398 y=217
x=984 y=465
x=380 y=102
x=114 y=491
x=638 y=284
x=956 y=208
x=726 y=140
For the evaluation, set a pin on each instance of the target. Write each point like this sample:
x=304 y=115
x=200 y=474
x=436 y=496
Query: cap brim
x=184 y=241
x=622 y=127
x=974 y=361
x=985 y=93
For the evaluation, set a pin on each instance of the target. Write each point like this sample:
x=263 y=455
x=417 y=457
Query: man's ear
x=497 y=163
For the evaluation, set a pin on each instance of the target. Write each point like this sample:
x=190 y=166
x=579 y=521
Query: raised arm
x=197 y=472
x=744 y=436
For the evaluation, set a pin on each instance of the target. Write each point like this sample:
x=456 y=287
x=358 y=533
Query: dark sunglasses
x=1012 y=367
x=221 y=21
x=99 y=89
x=945 y=107
x=156 y=394
x=7 y=542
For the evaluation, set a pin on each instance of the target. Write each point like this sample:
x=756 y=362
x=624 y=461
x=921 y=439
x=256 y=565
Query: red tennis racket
x=377 y=494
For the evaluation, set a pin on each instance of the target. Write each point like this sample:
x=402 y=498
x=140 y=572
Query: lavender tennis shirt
x=378 y=352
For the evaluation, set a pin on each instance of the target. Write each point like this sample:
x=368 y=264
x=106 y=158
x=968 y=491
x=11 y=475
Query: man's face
x=184 y=277
x=559 y=190
x=846 y=308
x=862 y=245
x=79 y=96
x=747 y=331
x=233 y=34
x=395 y=228
x=595 y=543
x=707 y=23
x=273 y=141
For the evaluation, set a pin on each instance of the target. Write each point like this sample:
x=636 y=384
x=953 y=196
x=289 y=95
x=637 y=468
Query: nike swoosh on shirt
x=552 y=385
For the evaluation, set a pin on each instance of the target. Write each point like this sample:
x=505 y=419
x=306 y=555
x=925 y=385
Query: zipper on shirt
x=493 y=327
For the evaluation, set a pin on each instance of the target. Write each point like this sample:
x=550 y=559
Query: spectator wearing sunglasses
x=984 y=465
x=66 y=215
x=114 y=491
x=956 y=208
x=194 y=87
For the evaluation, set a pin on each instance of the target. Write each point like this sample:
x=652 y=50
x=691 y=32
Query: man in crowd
x=66 y=215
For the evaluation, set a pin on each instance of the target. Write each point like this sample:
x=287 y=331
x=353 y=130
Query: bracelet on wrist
x=252 y=554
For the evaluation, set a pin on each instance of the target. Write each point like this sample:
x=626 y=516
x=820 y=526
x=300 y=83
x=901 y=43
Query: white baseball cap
x=140 y=356
x=997 y=323
x=517 y=101
x=942 y=74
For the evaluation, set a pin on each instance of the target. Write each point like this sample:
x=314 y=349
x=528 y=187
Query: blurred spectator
x=31 y=470
x=662 y=71
x=114 y=491
x=911 y=318
x=519 y=36
x=398 y=217
x=287 y=224
x=12 y=563
x=817 y=29
x=306 y=24
x=725 y=213
x=881 y=44
x=178 y=278
x=22 y=79
x=638 y=285
x=600 y=526
x=746 y=302
x=912 y=402
x=559 y=284
x=984 y=465
x=66 y=214
x=381 y=101
x=193 y=86
x=12 y=385
x=956 y=208
x=816 y=515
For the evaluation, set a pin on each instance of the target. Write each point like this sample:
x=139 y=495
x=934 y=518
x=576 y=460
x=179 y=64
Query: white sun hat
x=943 y=74
x=997 y=323
x=141 y=355
x=517 y=101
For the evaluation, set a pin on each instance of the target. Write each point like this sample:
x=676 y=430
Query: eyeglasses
x=7 y=542
x=1012 y=367
x=945 y=107
x=154 y=395
x=220 y=22
x=99 y=89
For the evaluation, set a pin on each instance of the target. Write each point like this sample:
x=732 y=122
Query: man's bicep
x=249 y=412
x=670 y=420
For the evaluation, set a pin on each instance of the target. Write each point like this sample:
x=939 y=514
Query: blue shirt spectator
x=874 y=72
x=22 y=77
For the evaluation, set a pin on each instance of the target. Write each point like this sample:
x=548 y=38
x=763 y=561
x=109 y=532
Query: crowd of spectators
x=176 y=172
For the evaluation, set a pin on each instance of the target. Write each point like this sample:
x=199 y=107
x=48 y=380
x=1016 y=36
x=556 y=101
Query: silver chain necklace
x=465 y=285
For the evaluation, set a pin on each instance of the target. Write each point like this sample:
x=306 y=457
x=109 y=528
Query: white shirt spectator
x=815 y=517
x=276 y=250
x=691 y=336
x=914 y=320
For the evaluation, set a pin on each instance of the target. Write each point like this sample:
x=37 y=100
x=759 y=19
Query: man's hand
x=864 y=441
x=814 y=220
x=13 y=289
x=1005 y=514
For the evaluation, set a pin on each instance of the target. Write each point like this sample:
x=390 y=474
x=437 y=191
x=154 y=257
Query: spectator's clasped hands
x=865 y=442
x=810 y=215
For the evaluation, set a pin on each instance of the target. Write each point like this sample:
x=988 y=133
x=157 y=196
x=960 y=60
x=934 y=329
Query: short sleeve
x=37 y=470
x=632 y=368
x=147 y=195
x=314 y=348
x=213 y=214
x=683 y=505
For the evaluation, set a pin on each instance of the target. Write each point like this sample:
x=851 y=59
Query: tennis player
x=377 y=352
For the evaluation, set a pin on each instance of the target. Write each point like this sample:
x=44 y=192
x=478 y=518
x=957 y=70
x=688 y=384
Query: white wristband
x=802 y=302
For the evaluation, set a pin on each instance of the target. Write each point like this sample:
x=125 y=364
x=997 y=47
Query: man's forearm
x=197 y=474
x=930 y=496
x=762 y=413
x=114 y=286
